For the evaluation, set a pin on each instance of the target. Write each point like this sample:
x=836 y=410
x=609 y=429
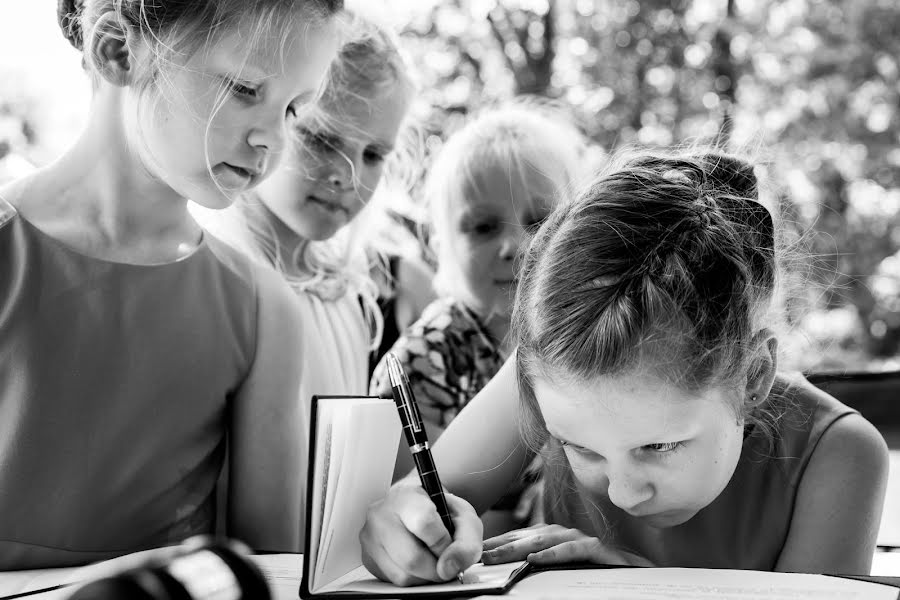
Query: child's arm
x=481 y=454
x=268 y=443
x=414 y=290
x=839 y=502
x=424 y=358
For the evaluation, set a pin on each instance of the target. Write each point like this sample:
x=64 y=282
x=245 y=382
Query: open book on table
x=353 y=446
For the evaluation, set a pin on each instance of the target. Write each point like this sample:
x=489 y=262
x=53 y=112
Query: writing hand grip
x=431 y=481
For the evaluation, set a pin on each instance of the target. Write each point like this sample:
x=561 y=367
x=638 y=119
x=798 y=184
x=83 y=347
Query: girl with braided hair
x=134 y=346
x=647 y=367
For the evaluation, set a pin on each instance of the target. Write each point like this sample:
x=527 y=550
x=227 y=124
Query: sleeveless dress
x=335 y=346
x=115 y=382
x=744 y=528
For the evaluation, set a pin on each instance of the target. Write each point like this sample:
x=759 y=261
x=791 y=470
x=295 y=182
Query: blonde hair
x=178 y=28
x=174 y=30
x=367 y=67
x=518 y=137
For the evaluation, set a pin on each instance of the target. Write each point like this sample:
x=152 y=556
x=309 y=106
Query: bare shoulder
x=854 y=442
x=277 y=301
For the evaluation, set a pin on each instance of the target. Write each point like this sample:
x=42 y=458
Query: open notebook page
x=365 y=435
x=695 y=584
x=477 y=577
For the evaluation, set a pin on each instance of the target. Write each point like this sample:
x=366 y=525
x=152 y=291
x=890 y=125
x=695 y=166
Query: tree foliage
x=809 y=86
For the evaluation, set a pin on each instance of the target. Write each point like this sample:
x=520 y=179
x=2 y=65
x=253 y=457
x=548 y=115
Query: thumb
x=465 y=549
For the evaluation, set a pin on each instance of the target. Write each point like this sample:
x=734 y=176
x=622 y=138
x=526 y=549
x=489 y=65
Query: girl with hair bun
x=488 y=190
x=647 y=369
x=134 y=347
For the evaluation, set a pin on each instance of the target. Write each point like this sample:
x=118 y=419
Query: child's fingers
x=511 y=536
x=586 y=549
x=533 y=540
x=465 y=550
x=387 y=569
x=420 y=517
x=391 y=548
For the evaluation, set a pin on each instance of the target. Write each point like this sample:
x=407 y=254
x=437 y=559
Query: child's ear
x=763 y=366
x=110 y=49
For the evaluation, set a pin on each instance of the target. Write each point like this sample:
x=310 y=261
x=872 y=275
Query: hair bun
x=68 y=15
x=730 y=174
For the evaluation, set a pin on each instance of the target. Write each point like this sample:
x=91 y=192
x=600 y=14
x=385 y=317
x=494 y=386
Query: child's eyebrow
x=382 y=146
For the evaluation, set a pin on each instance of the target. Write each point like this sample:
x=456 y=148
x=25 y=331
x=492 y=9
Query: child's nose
x=267 y=135
x=512 y=238
x=628 y=490
x=341 y=171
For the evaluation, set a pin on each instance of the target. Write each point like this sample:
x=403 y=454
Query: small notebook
x=353 y=446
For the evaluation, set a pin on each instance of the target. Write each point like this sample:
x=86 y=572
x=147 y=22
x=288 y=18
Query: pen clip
x=414 y=418
x=401 y=382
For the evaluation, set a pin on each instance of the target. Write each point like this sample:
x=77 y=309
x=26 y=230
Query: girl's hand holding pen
x=554 y=544
x=405 y=542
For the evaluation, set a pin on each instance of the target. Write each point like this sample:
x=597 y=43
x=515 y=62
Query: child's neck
x=289 y=245
x=98 y=199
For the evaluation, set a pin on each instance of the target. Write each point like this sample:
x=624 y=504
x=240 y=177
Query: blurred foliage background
x=808 y=87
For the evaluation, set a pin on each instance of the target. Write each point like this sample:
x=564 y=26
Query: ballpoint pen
x=414 y=431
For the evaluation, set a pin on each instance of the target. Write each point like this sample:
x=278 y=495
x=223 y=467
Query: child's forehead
x=487 y=182
x=640 y=400
x=252 y=53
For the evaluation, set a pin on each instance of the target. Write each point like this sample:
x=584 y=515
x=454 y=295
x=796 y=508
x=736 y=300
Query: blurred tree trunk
x=529 y=57
x=725 y=74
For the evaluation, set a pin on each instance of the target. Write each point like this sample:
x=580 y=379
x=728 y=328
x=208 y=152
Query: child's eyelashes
x=374 y=156
x=664 y=447
x=243 y=90
x=660 y=448
x=484 y=228
x=316 y=140
x=574 y=447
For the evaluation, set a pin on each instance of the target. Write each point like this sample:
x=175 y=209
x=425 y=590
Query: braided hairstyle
x=68 y=14
x=664 y=261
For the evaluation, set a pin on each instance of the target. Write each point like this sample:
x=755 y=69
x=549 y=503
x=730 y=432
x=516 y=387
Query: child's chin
x=216 y=199
x=669 y=518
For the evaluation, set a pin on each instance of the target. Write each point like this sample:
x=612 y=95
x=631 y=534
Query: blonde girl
x=308 y=219
x=132 y=345
x=647 y=362
x=490 y=187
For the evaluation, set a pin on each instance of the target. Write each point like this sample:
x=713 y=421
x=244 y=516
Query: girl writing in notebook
x=490 y=187
x=131 y=343
x=647 y=362
x=306 y=219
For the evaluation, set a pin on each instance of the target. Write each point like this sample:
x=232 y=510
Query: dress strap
x=7 y=212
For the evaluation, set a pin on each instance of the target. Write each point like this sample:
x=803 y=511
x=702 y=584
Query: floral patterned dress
x=448 y=355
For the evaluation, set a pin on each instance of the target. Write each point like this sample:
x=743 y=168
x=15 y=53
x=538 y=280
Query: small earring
x=753 y=398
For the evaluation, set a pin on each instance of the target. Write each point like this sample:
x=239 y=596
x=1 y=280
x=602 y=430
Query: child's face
x=209 y=155
x=486 y=230
x=334 y=165
x=655 y=451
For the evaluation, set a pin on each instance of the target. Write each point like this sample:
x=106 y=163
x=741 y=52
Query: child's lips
x=244 y=173
x=333 y=206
